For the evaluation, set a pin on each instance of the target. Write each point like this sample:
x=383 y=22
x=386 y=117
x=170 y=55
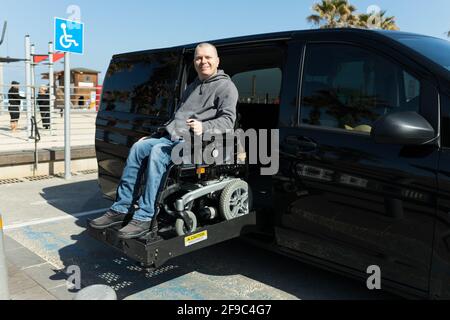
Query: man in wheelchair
x=209 y=103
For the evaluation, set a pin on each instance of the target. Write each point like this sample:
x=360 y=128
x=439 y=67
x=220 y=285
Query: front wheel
x=180 y=226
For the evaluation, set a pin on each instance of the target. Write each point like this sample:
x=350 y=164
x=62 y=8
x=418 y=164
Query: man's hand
x=195 y=125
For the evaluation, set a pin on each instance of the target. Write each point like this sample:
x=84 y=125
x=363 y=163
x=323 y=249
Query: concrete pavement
x=30 y=275
x=45 y=227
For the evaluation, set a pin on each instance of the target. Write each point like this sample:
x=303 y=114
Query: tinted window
x=142 y=84
x=257 y=72
x=259 y=86
x=348 y=87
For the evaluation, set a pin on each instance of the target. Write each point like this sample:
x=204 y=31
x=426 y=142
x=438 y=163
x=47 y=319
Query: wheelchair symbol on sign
x=66 y=40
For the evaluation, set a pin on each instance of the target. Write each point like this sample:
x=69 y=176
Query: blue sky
x=120 y=26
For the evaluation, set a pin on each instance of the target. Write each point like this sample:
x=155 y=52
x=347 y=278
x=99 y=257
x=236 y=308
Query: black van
x=364 y=128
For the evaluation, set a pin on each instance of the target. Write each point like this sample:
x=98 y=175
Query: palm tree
x=385 y=23
x=333 y=14
x=341 y=14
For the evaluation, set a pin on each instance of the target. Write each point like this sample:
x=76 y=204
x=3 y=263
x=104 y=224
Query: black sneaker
x=109 y=219
x=134 y=229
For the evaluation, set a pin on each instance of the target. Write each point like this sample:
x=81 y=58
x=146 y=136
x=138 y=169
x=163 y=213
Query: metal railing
x=41 y=121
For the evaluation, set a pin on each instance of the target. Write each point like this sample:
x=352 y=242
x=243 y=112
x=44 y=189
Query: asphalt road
x=49 y=217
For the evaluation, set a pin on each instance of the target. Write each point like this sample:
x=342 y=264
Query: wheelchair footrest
x=153 y=252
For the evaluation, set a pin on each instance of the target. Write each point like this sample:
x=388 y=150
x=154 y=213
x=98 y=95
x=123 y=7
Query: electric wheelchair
x=197 y=205
x=196 y=195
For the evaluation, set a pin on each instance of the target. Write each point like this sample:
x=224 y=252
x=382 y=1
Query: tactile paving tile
x=109 y=277
x=38 y=178
x=10 y=181
x=160 y=271
x=122 y=285
x=88 y=171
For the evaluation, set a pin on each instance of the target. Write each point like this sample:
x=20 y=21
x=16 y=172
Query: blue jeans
x=158 y=152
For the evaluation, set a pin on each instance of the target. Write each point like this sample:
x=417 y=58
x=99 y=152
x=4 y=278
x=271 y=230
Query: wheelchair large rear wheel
x=180 y=226
x=235 y=200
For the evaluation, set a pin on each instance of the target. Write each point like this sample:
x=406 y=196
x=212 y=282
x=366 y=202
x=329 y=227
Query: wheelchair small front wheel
x=181 y=228
x=235 y=200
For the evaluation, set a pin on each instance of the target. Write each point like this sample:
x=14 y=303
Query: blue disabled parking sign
x=68 y=36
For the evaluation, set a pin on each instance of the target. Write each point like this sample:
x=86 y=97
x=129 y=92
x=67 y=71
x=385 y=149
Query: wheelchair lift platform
x=152 y=251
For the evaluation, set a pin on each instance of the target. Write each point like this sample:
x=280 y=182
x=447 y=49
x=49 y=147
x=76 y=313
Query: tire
x=180 y=227
x=235 y=200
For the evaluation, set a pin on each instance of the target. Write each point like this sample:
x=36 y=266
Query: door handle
x=301 y=144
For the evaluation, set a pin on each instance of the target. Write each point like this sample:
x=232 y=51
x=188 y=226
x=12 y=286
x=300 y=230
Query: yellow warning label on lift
x=195 y=238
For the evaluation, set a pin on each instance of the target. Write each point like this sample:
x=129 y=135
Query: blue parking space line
x=47 y=240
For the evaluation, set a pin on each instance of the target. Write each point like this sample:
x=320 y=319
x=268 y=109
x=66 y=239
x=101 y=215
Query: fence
x=40 y=122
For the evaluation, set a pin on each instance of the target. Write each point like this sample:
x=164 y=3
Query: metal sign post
x=33 y=93
x=2 y=87
x=69 y=36
x=67 y=156
x=51 y=85
x=68 y=39
x=28 y=83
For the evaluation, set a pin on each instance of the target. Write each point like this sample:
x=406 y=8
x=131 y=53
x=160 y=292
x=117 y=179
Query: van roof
x=275 y=36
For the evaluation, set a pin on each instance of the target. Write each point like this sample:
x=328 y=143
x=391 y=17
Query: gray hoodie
x=212 y=101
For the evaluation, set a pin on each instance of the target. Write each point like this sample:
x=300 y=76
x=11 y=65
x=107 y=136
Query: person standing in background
x=43 y=100
x=14 y=99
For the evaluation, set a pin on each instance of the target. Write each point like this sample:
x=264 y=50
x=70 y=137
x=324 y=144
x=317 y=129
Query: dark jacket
x=14 y=97
x=43 y=100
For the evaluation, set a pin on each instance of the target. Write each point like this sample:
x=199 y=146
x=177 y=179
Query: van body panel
x=348 y=200
x=139 y=95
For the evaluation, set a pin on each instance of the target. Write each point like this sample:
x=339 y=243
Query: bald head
x=206 y=45
x=206 y=60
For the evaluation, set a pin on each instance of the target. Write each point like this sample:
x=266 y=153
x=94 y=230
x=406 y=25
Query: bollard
x=96 y=292
x=4 y=290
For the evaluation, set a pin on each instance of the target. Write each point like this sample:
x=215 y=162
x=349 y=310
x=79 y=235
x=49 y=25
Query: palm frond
x=314 y=18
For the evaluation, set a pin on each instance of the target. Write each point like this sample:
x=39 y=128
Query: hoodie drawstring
x=201 y=86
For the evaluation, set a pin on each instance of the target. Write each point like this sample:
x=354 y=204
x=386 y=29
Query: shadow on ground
x=231 y=270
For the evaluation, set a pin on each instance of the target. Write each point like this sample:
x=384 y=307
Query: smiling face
x=206 y=61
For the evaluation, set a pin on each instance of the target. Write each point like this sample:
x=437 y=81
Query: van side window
x=142 y=84
x=348 y=87
x=259 y=86
x=259 y=93
x=256 y=71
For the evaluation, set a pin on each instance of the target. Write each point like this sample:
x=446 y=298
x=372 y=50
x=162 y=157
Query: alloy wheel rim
x=239 y=202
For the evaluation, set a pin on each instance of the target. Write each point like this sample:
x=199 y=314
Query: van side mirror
x=404 y=128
